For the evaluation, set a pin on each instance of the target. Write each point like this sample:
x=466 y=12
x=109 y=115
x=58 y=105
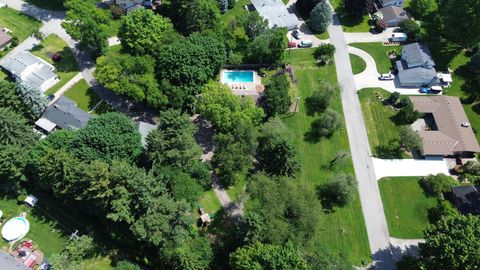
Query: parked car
x=292 y=44
x=386 y=77
x=296 y=34
x=51 y=97
x=305 y=44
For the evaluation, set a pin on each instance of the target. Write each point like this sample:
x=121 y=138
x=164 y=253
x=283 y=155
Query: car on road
x=296 y=34
x=305 y=44
x=386 y=77
x=292 y=44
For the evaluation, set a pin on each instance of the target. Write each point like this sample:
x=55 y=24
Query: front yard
x=21 y=25
x=66 y=68
x=406 y=206
x=345 y=228
x=358 y=65
x=379 y=54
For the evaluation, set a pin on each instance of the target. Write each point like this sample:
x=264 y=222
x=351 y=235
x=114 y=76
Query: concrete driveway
x=408 y=167
x=367 y=37
x=306 y=33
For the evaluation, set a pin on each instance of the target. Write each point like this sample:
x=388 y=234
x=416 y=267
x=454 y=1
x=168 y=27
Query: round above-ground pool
x=238 y=77
x=16 y=228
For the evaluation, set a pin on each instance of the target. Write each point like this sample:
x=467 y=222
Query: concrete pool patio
x=242 y=85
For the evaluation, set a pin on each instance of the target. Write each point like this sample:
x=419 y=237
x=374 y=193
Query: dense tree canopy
x=194 y=15
x=254 y=24
x=131 y=76
x=320 y=17
x=421 y=8
x=438 y=184
x=277 y=95
x=14 y=129
x=9 y=98
x=452 y=243
x=461 y=17
x=355 y=8
x=13 y=160
x=269 y=47
x=107 y=137
x=142 y=32
x=406 y=115
x=87 y=24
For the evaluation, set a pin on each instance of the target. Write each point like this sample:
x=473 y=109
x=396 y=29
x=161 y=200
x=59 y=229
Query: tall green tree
x=13 y=161
x=107 y=137
x=355 y=8
x=325 y=125
x=409 y=138
x=142 y=32
x=460 y=17
x=438 y=184
x=266 y=256
x=130 y=76
x=276 y=154
x=277 y=95
x=254 y=24
x=320 y=17
x=269 y=47
x=406 y=115
x=421 y=8
x=339 y=190
x=320 y=99
x=14 y=129
x=452 y=243
x=87 y=24
x=194 y=15
x=9 y=98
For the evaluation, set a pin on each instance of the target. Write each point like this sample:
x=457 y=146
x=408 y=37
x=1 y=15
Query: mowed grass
x=379 y=53
x=66 y=68
x=210 y=202
x=380 y=128
x=42 y=232
x=344 y=230
x=406 y=206
x=85 y=97
x=21 y=25
x=358 y=65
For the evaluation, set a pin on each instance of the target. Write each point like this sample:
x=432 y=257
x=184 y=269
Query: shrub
x=324 y=53
x=437 y=185
x=320 y=17
x=325 y=125
x=320 y=99
x=337 y=191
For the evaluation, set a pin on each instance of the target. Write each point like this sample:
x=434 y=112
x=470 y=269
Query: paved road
x=372 y=206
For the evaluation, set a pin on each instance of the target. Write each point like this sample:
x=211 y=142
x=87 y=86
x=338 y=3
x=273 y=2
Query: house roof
x=38 y=74
x=65 y=114
x=451 y=136
x=467 y=199
x=392 y=13
x=416 y=75
x=276 y=13
x=416 y=54
x=9 y=263
x=144 y=129
x=4 y=37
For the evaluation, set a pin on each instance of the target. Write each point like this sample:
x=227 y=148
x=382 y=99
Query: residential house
x=144 y=129
x=467 y=199
x=394 y=15
x=276 y=13
x=5 y=39
x=386 y=3
x=416 y=67
x=63 y=114
x=8 y=262
x=447 y=131
x=33 y=71
x=131 y=5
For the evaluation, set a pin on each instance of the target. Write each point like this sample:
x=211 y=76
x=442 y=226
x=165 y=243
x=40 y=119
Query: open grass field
x=21 y=25
x=84 y=95
x=406 y=206
x=379 y=53
x=43 y=232
x=345 y=228
x=47 y=4
x=381 y=130
x=66 y=68
x=358 y=65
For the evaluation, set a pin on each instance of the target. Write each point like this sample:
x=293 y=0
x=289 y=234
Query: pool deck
x=254 y=88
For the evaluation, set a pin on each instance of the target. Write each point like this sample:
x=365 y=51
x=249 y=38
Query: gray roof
x=416 y=75
x=276 y=13
x=4 y=38
x=17 y=63
x=7 y=262
x=467 y=199
x=416 y=54
x=65 y=114
x=392 y=13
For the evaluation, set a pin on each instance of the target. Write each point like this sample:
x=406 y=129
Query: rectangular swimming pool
x=237 y=77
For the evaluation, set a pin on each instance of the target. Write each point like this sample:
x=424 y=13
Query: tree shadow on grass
x=390 y=150
x=93 y=98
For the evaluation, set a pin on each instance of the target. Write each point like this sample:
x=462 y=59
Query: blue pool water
x=237 y=76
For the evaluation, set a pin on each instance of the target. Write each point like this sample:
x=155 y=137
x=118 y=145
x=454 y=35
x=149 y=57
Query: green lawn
x=358 y=65
x=47 y=4
x=323 y=35
x=83 y=95
x=67 y=68
x=21 y=25
x=379 y=53
x=350 y=24
x=210 y=202
x=406 y=206
x=383 y=134
x=344 y=229
x=42 y=231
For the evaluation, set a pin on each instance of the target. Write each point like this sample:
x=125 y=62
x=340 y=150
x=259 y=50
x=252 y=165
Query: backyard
x=383 y=134
x=406 y=206
x=66 y=68
x=21 y=25
x=83 y=95
x=346 y=228
x=379 y=54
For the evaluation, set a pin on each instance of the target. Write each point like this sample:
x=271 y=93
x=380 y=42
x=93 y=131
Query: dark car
x=296 y=34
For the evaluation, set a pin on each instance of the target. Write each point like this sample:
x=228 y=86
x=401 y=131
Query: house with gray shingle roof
x=63 y=114
x=30 y=70
x=416 y=67
x=276 y=13
x=393 y=15
x=386 y=3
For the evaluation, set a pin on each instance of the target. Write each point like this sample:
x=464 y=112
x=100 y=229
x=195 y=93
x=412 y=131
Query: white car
x=305 y=44
x=386 y=77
